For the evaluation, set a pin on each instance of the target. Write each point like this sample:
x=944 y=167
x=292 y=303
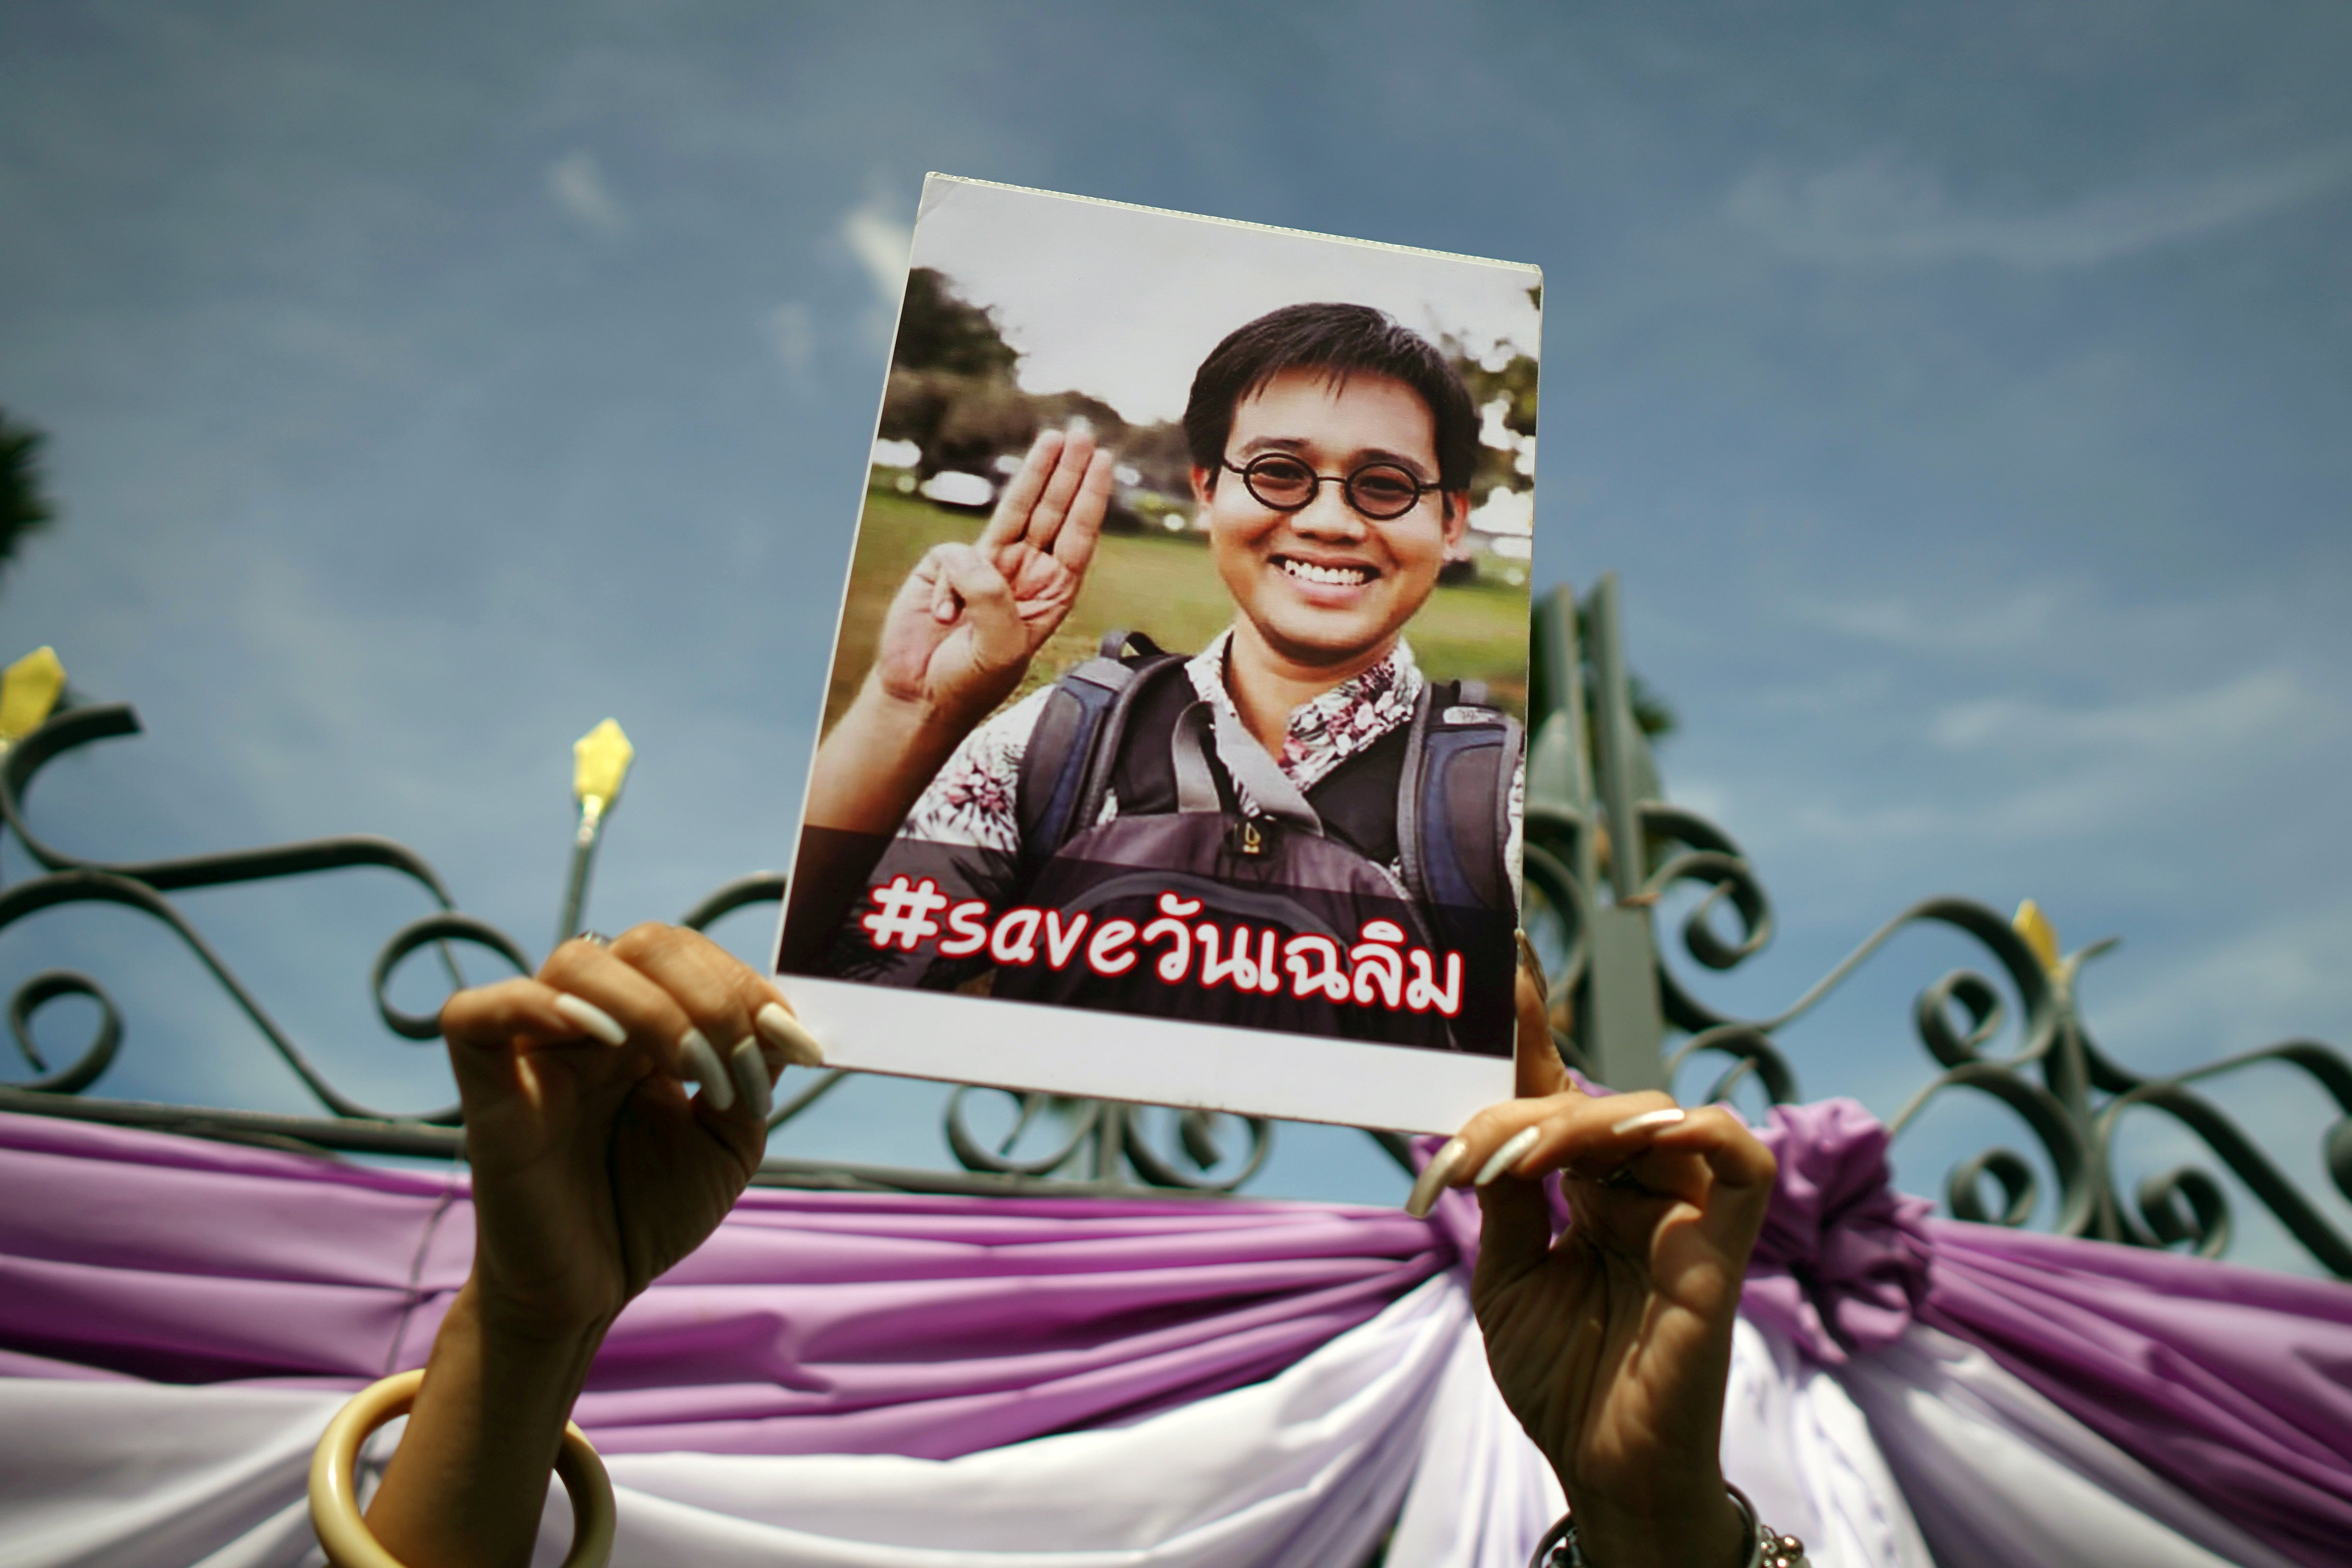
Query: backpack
x=1286 y=917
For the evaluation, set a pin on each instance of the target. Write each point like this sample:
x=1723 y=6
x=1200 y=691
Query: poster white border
x=1160 y=1062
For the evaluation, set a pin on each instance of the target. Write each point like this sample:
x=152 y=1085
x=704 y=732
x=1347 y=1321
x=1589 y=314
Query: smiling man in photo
x=1241 y=835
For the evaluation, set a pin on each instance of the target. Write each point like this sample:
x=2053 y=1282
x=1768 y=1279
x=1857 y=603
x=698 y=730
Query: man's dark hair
x=1339 y=340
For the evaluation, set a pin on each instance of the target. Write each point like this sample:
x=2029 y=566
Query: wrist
x=1703 y=1528
x=874 y=763
x=927 y=724
x=514 y=1328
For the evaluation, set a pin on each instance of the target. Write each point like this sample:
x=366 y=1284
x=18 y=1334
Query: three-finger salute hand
x=952 y=640
x=961 y=631
x=1042 y=535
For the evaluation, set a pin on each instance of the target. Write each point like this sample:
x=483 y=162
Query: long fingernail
x=1433 y=1178
x=1531 y=964
x=752 y=1076
x=1665 y=1116
x=1506 y=1156
x=703 y=1067
x=592 y=1019
x=783 y=1031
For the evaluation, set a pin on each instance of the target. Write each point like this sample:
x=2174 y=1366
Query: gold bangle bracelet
x=334 y=1498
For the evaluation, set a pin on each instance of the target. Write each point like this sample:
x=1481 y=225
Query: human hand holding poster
x=1172 y=749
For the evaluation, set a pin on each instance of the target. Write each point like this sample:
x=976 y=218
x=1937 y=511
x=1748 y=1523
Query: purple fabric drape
x=1841 y=1264
x=2233 y=1384
x=832 y=1323
x=852 y=1322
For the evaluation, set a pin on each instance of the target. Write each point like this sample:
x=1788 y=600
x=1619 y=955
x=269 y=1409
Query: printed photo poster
x=1173 y=747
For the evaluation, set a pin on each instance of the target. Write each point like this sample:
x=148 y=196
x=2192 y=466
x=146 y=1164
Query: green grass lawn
x=1161 y=585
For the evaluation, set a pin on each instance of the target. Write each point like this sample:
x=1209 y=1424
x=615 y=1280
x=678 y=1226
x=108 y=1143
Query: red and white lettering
x=1015 y=940
x=1178 y=956
x=1315 y=967
x=1238 y=967
x=902 y=914
x=1380 y=963
x=968 y=920
x=1424 y=993
x=1061 y=942
x=1109 y=953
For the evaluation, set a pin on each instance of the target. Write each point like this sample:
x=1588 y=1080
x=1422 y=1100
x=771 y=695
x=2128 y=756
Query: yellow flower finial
x=2030 y=922
x=600 y=763
x=28 y=690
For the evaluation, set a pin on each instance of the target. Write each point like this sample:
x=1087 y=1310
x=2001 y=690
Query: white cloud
x=577 y=184
x=2099 y=772
x=793 y=334
x=2001 y=625
x=1882 y=210
x=2023 y=768
x=2280 y=981
x=2266 y=702
x=880 y=243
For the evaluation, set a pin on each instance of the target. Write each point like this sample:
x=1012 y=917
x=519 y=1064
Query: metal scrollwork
x=1096 y=1134
x=2186 y=1204
x=141 y=886
x=2069 y=1095
x=1599 y=859
x=1117 y=1141
x=96 y=1057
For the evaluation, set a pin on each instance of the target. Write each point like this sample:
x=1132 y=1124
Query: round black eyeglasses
x=1380 y=490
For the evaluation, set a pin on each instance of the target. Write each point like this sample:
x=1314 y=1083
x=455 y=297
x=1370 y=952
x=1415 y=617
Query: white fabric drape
x=1797 y=1446
x=1306 y=1469
x=1482 y=1496
x=1999 y=1474
x=1309 y=1467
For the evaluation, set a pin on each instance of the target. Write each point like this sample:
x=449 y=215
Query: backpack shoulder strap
x=1453 y=799
x=1067 y=764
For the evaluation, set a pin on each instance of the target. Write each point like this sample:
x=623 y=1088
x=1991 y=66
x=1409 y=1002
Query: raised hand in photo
x=964 y=625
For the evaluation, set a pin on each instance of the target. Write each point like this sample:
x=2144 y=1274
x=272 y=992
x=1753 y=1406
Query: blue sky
x=1961 y=395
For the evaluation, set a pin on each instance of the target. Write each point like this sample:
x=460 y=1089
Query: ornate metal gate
x=1603 y=848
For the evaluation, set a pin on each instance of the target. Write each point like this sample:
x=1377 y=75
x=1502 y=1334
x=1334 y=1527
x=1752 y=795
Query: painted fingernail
x=1506 y=1156
x=592 y=1019
x=1530 y=965
x=1434 y=1179
x=1664 y=1116
x=702 y=1066
x=783 y=1031
x=752 y=1076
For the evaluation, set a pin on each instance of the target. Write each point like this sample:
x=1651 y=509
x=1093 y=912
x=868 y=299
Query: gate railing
x=1102 y=1146
x=1591 y=788
x=1602 y=849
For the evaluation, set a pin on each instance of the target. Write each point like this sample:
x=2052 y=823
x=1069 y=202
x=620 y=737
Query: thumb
x=1540 y=1071
x=997 y=633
